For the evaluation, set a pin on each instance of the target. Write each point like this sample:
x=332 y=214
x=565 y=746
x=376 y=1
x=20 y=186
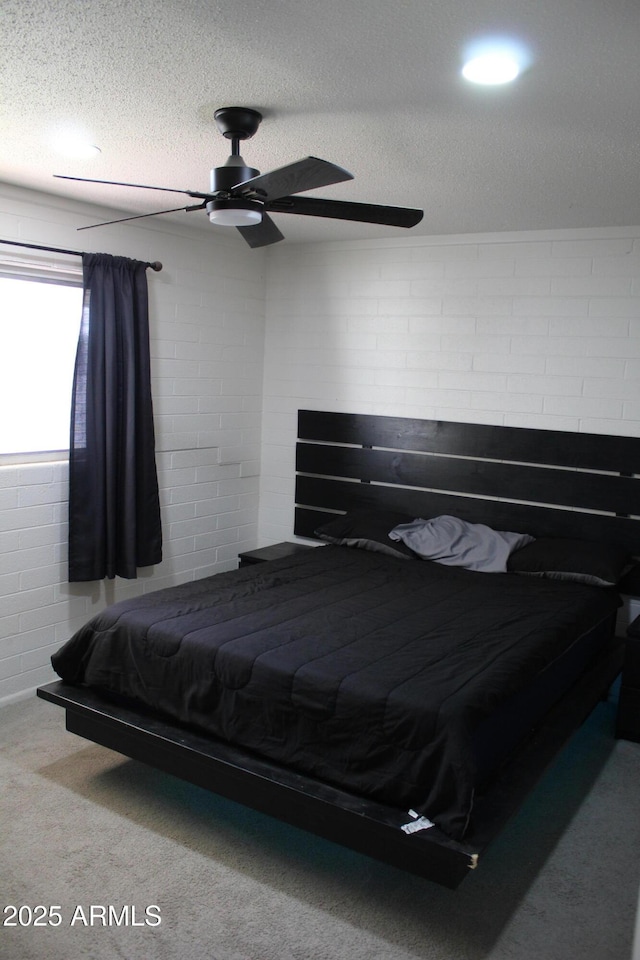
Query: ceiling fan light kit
x=242 y=197
x=235 y=213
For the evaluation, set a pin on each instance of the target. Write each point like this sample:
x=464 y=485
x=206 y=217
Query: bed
x=397 y=705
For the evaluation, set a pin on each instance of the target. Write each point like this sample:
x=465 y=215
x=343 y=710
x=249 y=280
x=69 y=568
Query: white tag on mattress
x=422 y=823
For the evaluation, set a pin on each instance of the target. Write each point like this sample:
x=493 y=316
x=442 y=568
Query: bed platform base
x=362 y=825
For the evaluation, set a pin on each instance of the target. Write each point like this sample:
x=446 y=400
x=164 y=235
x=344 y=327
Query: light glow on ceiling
x=74 y=146
x=494 y=61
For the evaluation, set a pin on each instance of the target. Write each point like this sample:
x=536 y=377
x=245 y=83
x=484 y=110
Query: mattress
x=365 y=671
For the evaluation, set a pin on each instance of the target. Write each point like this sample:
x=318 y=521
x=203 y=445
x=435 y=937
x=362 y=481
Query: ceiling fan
x=242 y=197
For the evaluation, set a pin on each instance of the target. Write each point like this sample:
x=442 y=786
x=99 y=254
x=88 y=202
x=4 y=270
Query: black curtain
x=114 y=508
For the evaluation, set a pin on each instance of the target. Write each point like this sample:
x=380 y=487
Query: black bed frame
x=548 y=483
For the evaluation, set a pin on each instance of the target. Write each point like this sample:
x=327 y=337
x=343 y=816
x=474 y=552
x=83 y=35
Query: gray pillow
x=458 y=543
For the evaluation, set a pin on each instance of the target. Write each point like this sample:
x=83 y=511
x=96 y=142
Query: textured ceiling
x=372 y=85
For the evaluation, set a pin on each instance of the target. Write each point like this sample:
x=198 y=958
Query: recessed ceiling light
x=493 y=62
x=491 y=69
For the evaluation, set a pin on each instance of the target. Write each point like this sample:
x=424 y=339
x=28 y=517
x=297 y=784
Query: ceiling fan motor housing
x=234 y=171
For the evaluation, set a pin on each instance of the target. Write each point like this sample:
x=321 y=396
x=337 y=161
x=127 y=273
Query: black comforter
x=364 y=671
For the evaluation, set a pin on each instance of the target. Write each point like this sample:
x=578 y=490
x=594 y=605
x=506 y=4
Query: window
x=39 y=326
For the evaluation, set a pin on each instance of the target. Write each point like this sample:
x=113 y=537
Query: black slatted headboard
x=543 y=482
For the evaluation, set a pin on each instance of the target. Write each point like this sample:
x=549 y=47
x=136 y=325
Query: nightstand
x=273 y=552
x=628 y=720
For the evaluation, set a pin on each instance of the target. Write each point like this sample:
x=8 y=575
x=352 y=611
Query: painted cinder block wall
x=207 y=344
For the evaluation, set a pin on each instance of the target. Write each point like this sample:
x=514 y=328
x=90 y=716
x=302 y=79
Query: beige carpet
x=82 y=826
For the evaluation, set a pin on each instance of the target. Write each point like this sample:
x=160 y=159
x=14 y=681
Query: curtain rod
x=156 y=265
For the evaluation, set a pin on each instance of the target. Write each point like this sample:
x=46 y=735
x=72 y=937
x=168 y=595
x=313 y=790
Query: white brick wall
x=539 y=329
x=207 y=342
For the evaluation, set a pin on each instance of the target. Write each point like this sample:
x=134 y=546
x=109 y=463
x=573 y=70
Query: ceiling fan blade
x=138 y=186
x=307 y=174
x=141 y=216
x=346 y=210
x=262 y=234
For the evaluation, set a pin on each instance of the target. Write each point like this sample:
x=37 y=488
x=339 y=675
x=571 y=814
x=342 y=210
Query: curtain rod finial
x=156 y=265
